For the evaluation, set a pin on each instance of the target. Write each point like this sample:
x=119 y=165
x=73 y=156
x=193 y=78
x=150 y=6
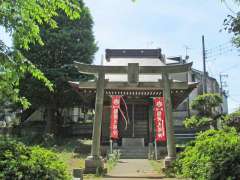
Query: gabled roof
x=179 y=90
x=133 y=53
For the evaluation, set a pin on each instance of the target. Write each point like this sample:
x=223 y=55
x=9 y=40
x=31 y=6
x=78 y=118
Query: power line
x=220 y=50
x=237 y=101
x=231 y=67
x=220 y=46
x=228 y=7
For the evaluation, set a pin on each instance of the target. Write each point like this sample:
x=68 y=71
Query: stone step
x=133 y=154
x=130 y=152
x=140 y=125
x=140 y=128
x=133 y=151
x=134 y=157
x=140 y=122
x=144 y=132
x=141 y=131
x=136 y=142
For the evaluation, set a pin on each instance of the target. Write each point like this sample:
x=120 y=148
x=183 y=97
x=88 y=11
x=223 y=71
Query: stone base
x=92 y=163
x=78 y=173
x=168 y=161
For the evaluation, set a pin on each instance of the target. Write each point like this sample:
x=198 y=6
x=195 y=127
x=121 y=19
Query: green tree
x=22 y=19
x=232 y=25
x=71 y=41
x=232 y=120
x=208 y=113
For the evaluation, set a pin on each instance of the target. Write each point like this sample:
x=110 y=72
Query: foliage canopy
x=72 y=40
x=207 y=113
x=215 y=155
x=22 y=19
x=232 y=25
x=232 y=120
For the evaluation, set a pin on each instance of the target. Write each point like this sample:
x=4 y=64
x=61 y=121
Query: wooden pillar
x=95 y=161
x=150 y=121
x=171 y=146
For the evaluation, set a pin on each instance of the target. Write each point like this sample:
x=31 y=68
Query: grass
x=110 y=165
x=113 y=160
x=157 y=166
x=72 y=160
x=73 y=152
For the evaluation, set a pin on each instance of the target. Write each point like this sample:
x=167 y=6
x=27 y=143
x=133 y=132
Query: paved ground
x=133 y=169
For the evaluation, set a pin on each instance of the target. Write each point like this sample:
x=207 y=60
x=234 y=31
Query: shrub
x=21 y=162
x=208 y=113
x=196 y=122
x=113 y=159
x=215 y=155
x=232 y=120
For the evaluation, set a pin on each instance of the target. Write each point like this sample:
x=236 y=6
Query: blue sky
x=170 y=25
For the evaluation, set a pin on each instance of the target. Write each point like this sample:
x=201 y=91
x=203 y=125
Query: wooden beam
x=141 y=85
x=95 y=69
x=179 y=68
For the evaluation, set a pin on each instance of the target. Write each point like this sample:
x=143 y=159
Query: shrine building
x=137 y=76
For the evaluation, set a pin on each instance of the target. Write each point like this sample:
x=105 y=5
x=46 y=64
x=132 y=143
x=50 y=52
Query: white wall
x=142 y=62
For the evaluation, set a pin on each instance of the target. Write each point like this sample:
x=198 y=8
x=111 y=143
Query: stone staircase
x=133 y=148
x=141 y=129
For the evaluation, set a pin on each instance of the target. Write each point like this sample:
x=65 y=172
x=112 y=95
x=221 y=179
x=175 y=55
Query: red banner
x=159 y=119
x=114 y=117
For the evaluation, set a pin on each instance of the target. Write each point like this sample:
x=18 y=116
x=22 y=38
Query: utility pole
x=223 y=84
x=186 y=52
x=204 y=66
x=221 y=87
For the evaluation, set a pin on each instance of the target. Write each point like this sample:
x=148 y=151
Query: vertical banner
x=159 y=119
x=114 y=117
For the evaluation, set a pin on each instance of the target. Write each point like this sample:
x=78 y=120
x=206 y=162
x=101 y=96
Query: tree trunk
x=50 y=121
x=59 y=123
x=84 y=113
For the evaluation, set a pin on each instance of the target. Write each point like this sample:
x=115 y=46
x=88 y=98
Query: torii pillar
x=95 y=160
x=171 y=146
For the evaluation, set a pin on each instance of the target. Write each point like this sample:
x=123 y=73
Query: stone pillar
x=171 y=146
x=95 y=160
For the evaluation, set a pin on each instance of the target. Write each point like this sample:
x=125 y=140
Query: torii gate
x=132 y=70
